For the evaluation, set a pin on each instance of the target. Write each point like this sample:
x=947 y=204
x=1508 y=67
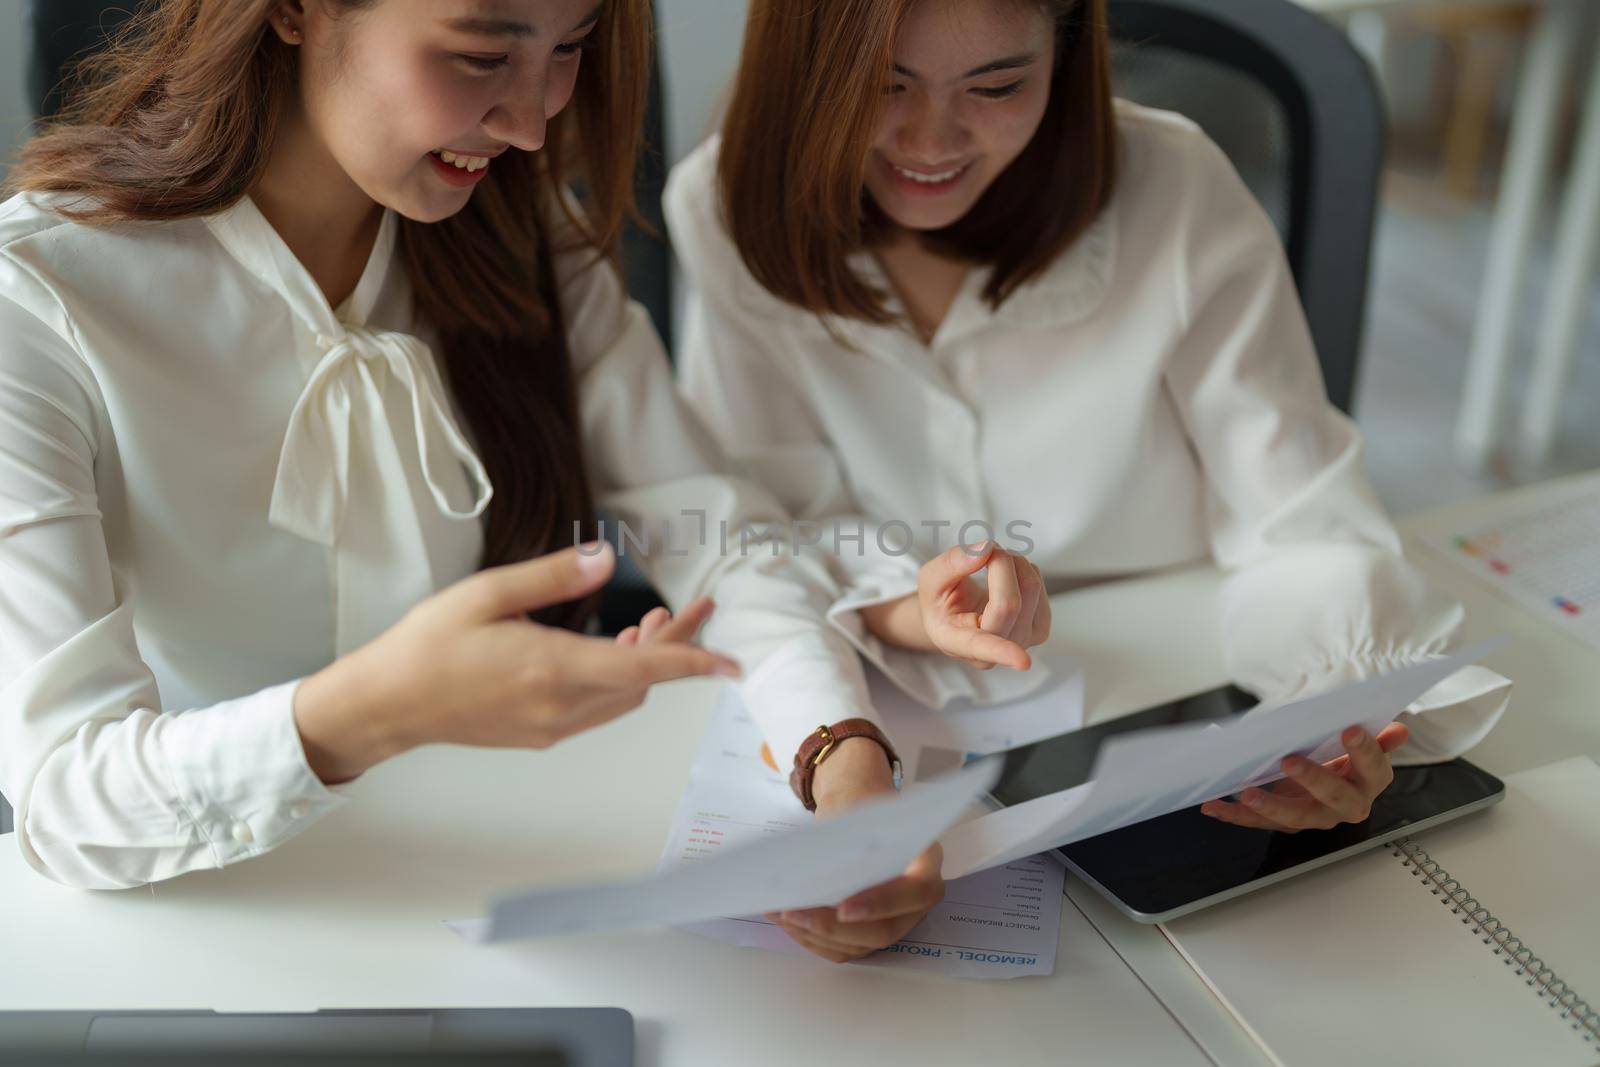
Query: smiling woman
x=276 y=98
x=1041 y=108
x=934 y=258
x=313 y=372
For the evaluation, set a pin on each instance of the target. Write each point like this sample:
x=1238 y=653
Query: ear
x=287 y=19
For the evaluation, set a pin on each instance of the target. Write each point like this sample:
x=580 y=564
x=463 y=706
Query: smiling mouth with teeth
x=470 y=164
x=930 y=179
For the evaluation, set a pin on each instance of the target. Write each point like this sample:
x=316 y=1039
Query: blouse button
x=242 y=834
x=299 y=809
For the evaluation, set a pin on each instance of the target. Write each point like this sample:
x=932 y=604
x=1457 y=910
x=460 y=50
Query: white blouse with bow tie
x=212 y=484
x=1151 y=400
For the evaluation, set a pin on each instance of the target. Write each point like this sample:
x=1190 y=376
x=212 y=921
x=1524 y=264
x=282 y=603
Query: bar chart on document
x=1547 y=559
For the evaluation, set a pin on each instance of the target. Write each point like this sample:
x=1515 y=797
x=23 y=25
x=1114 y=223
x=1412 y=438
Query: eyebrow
x=1021 y=59
x=493 y=27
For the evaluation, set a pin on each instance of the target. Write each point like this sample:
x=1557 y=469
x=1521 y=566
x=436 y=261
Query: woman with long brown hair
x=945 y=283
x=300 y=328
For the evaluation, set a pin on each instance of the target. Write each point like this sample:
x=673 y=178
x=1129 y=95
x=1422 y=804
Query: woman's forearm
x=342 y=723
x=899 y=623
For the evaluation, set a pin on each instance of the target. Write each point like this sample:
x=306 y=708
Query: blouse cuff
x=240 y=771
x=1454 y=716
x=1445 y=722
x=930 y=678
x=799 y=687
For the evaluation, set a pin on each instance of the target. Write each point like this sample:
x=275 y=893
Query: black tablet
x=1174 y=864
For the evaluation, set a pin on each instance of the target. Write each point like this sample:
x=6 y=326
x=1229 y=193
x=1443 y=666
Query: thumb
x=956 y=563
x=505 y=592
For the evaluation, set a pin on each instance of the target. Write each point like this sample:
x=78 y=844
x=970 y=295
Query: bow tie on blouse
x=344 y=474
x=343 y=398
x=372 y=451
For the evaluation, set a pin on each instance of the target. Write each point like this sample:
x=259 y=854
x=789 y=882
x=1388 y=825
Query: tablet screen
x=1180 y=862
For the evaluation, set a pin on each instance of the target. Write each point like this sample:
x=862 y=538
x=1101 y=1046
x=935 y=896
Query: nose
x=931 y=133
x=520 y=118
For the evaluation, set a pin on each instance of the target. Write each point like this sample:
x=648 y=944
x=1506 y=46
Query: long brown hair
x=176 y=119
x=800 y=126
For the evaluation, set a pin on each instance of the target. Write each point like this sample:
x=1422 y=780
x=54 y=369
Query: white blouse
x=1152 y=400
x=212 y=484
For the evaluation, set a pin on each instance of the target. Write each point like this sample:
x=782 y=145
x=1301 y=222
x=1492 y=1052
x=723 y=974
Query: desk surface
x=349 y=914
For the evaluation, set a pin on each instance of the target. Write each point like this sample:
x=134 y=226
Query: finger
x=1369 y=763
x=609 y=667
x=653 y=620
x=514 y=590
x=910 y=894
x=818 y=947
x=809 y=919
x=984 y=649
x=1393 y=736
x=1005 y=595
x=1287 y=814
x=1288 y=787
x=862 y=936
x=1041 y=619
x=1350 y=802
x=629 y=637
x=1032 y=587
x=950 y=567
x=1238 y=814
x=686 y=624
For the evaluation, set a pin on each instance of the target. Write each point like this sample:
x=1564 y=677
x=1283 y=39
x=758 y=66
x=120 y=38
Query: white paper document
x=932 y=742
x=1142 y=775
x=1000 y=923
x=1546 y=557
x=779 y=867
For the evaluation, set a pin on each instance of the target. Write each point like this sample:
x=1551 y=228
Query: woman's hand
x=874 y=918
x=955 y=614
x=466 y=666
x=1319 y=796
x=660 y=627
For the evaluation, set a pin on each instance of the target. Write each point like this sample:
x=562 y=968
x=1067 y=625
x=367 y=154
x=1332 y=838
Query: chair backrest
x=1292 y=103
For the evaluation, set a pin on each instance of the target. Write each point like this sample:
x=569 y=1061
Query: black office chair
x=1295 y=108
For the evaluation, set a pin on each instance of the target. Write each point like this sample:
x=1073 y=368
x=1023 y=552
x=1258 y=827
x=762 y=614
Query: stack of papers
x=741 y=845
x=1001 y=923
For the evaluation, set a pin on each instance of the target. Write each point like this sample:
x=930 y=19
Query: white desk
x=348 y=915
x=1554 y=713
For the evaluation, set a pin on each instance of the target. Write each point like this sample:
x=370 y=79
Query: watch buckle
x=826 y=735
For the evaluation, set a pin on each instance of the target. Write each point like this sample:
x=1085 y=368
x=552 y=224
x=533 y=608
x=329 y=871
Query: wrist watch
x=822 y=742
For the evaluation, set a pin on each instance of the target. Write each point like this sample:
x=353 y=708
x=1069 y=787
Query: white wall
x=14 y=113
x=699 y=51
x=699 y=44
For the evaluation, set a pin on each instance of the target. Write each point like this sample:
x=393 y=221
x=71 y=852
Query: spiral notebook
x=1478 y=942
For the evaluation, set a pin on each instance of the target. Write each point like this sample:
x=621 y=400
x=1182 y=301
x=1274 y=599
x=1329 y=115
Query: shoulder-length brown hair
x=801 y=122
x=177 y=120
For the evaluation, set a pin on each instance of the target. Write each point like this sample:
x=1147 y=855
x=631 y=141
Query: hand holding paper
x=1318 y=796
x=1153 y=772
x=823 y=863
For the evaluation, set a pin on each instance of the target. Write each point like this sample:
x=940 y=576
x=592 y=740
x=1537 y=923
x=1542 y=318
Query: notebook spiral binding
x=1550 y=988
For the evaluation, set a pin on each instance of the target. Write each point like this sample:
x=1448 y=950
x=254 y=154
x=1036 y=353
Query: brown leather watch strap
x=820 y=744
